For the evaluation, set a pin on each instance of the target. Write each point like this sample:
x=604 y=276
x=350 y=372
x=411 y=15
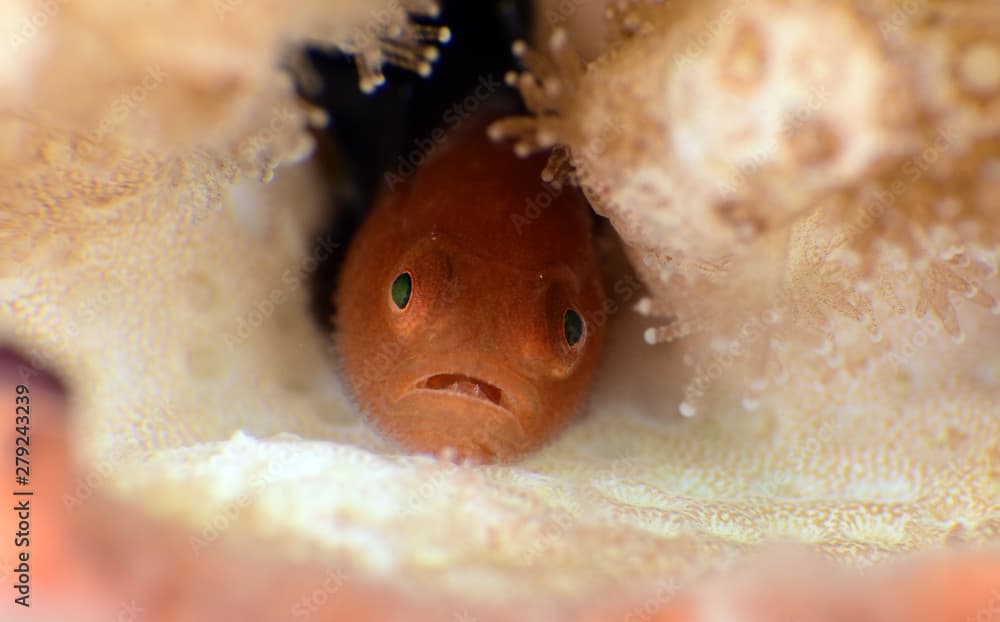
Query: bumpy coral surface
x=801 y=185
x=807 y=163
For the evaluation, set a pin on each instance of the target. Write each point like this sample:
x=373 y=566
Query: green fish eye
x=402 y=285
x=572 y=327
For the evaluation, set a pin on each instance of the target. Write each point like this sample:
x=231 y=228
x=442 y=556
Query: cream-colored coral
x=748 y=114
x=125 y=203
x=152 y=268
x=802 y=161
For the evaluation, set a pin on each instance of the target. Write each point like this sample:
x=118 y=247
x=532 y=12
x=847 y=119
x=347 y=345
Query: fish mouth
x=465 y=386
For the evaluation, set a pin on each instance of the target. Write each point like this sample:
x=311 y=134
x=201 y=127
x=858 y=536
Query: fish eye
x=572 y=327
x=400 y=290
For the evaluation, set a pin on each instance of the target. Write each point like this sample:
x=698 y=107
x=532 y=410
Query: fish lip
x=463 y=386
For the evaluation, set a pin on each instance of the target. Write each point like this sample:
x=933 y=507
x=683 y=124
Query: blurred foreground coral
x=810 y=191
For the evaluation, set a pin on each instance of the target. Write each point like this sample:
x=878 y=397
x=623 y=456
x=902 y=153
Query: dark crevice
x=368 y=133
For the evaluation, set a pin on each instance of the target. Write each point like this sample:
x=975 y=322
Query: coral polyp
x=837 y=161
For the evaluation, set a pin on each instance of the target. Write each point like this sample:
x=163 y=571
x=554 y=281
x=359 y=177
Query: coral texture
x=807 y=163
x=808 y=189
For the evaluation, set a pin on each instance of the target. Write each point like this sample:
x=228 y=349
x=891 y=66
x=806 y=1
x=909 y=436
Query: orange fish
x=464 y=305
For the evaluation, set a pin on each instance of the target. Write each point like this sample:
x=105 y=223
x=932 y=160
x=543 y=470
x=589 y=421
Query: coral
x=821 y=163
x=153 y=185
x=150 y=260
